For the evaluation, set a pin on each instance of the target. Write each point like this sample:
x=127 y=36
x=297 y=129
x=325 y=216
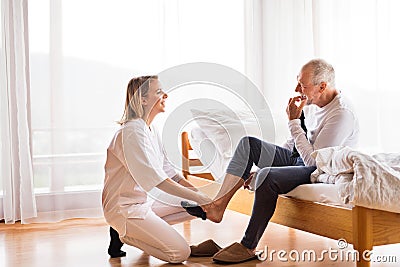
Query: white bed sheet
x=319 y=192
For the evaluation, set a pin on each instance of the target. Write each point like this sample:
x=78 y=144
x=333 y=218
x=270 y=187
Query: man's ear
x=322 y=87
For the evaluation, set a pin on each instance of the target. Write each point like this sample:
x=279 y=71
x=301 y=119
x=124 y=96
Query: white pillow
x=205 y=149
x=218 y=135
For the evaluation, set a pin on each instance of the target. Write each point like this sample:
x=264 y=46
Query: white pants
x=155 y=235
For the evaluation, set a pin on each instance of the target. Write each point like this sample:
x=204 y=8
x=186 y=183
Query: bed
x=360 y=226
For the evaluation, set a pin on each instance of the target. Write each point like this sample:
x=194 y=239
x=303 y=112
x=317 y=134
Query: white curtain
x=17 y=201
x=278 y=40
x=360 y=38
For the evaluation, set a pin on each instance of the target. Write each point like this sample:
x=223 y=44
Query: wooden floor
x=83 y=242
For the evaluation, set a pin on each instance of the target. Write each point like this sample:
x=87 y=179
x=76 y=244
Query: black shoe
x=116 y=254
x=194 y=210
x=114 y=249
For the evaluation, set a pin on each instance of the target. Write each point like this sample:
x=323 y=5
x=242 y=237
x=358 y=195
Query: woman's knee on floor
x=174 y=250
x=178 y=254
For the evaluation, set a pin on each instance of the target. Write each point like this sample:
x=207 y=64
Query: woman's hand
x=204 y=200
x=187 y=184
x=176 y=189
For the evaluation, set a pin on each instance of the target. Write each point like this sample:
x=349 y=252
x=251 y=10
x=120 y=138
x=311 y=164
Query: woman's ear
x=144 y=101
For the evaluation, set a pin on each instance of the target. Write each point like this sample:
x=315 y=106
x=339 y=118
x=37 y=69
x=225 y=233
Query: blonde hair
x=137 y=88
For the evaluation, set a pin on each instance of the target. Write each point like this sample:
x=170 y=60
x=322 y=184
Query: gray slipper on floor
x=205 y=249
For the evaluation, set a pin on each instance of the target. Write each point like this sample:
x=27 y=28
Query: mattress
x=319 y=192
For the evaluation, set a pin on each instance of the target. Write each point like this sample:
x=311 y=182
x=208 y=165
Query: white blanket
x=363 y=180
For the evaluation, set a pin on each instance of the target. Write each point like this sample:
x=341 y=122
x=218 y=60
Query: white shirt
x=136 y=163
x=332 y=125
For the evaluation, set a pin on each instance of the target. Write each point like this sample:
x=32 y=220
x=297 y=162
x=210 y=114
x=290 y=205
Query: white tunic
x=136 y=163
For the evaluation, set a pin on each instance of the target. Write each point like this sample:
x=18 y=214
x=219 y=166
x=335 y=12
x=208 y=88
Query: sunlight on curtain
x=359 y=38
x=286 y=42
x=2 y=85
x=83 y=54
x=17 y=200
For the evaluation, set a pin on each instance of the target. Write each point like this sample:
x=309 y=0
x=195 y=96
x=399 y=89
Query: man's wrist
x=295 y=127
x=294 y=122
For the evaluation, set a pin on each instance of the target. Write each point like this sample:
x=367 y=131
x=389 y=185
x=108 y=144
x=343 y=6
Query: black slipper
x=116 y=254
x=194 y=209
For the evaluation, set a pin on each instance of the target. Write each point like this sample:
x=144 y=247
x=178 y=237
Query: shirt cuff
x=293 y=122
x=177 y=177
x=295 y=128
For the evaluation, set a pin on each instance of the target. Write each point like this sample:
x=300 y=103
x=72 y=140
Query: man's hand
x=248 y=181
x=293 y=110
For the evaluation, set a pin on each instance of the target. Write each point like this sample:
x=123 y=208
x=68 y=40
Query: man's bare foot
x=215 y=210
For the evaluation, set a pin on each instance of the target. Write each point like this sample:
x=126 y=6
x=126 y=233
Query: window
x=82 y=55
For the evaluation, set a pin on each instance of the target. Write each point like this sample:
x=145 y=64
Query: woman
x=136 y=163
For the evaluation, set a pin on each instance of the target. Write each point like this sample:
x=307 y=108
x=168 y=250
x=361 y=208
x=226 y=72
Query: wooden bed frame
x=363 y=227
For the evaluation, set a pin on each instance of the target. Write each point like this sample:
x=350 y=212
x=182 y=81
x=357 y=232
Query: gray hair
x=322 y=72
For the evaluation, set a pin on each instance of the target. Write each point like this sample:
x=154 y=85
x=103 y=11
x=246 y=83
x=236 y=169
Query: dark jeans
x=279 y=173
